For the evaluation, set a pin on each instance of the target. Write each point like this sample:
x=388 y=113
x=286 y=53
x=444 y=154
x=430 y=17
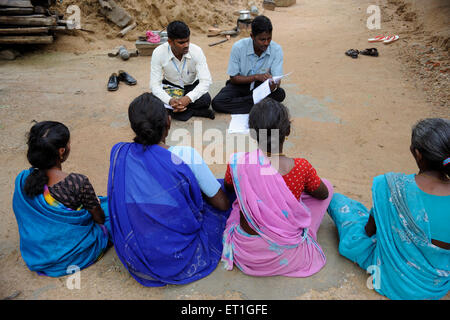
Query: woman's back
x=74 y=191
x=436 y=200
x=164 y=233
x=299 y=176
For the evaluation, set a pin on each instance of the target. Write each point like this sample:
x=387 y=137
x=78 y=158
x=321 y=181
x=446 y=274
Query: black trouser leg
x=233 y=99
x=278 y=95
x=194 y=108
x=236 y=99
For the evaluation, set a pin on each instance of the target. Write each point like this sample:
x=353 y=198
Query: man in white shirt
x=182 y=65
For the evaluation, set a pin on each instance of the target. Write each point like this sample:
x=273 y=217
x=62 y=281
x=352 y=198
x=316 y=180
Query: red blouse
x=302 y=177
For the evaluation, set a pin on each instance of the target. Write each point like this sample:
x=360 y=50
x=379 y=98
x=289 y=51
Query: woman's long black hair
x=44 y=140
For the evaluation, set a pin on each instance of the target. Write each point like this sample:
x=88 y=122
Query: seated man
x=180 y=67
x=252 y=61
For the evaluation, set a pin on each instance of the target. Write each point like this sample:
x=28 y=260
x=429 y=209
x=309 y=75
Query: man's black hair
x=178 y=30
x=261 y=24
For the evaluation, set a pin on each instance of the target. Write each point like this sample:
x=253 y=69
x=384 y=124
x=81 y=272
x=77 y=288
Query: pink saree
x=286 y=243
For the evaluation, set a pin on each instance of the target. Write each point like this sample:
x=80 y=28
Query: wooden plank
x=58 y=28
x=26 y=40
x=35 y=20
x=16 y=11
x=16 y=3
x=285 y=3
x=24 y=30
x=127 y=29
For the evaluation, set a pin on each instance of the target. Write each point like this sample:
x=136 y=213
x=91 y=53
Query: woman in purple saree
x=163 y=229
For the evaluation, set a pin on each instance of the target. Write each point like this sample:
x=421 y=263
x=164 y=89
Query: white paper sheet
x=264 y=88
x=168 y=106
x=239 y=124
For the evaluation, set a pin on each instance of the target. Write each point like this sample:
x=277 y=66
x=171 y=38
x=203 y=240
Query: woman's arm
x=89 y=199
x=371 y=227
x=98 y=215
x=228 y=186
x=321 y=193
x=219 y=200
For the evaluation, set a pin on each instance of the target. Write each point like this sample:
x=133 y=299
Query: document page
x=264 y=89
x=239 y=124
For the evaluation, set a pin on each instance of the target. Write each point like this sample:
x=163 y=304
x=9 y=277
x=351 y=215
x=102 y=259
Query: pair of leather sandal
x=367 y=52
x=121 y=76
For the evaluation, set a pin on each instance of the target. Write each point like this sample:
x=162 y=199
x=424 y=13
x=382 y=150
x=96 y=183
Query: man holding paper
x=252 y=61
x=180 y=76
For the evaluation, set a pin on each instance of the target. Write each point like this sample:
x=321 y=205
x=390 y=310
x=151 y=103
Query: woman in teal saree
x=405 y=238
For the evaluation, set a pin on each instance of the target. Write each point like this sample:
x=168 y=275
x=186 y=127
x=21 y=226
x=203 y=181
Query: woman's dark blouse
x=75 y=191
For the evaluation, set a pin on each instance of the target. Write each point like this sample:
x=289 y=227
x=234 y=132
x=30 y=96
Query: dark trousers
x=238 y=99
x=201 y=103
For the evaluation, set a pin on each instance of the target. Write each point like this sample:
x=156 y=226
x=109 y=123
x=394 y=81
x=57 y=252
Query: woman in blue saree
x=405 y=238
x=63 y=226
x=168 y=212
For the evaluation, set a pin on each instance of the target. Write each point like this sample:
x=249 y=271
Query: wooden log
x=40 y=10
x=58 y=28
x=44 y=3
x=16 y=11
x=127 y=29
x=16 y=3
x=269 y=5
x=285 y=3
x=26 y=40
x=24 y=30
x=34 y=20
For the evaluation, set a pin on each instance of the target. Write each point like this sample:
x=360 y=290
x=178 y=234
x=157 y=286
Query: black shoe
x=125 y=77
x=206 y=113
x=113 y=82
x=370 y=52
x=352 y=53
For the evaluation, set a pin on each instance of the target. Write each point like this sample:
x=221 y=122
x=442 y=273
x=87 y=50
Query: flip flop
x=391 y=39
x=370 y=52
x=352 y=53
x=377 y=38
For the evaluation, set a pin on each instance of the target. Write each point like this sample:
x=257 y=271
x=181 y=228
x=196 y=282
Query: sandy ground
x=351 y=119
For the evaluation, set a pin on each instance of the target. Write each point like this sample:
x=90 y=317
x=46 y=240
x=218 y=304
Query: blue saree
x=409 y=265
x=163 y=231
x=54 y=238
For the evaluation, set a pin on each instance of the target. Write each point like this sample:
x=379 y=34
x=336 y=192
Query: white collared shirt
x=193 y=66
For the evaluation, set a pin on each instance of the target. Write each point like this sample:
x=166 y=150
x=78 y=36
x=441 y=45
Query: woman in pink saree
x=272 y=228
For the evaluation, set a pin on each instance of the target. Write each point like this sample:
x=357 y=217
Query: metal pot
x=244 y=15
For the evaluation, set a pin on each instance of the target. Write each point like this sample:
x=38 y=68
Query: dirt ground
x=351 y=119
